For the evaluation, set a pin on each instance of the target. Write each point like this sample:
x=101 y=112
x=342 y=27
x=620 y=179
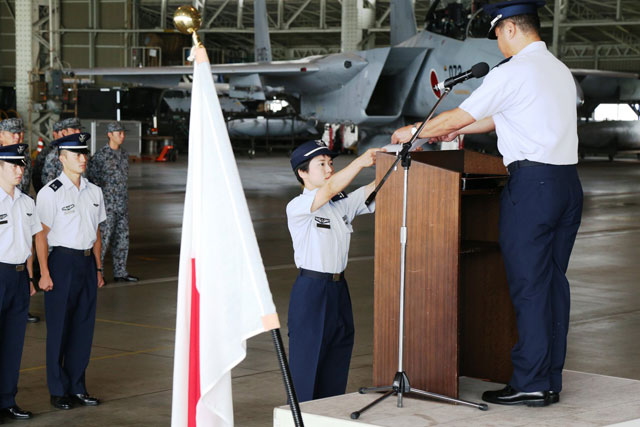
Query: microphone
x=479 y=70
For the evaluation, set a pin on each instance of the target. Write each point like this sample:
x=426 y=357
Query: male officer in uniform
x=109 y=170
x=52 y=166
x=70 y=209
x=18 y=223
x=530 y=102
x=320 y=316
x=38 y=164
x=12 y=132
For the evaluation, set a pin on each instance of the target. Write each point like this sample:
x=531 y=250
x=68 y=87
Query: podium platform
x=587 y=400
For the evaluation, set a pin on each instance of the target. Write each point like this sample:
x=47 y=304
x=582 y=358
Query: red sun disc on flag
x=433 y=79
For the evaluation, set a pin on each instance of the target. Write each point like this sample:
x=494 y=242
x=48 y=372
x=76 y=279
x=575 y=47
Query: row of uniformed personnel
x=66 y=218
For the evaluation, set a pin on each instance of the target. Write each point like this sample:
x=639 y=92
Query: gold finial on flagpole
x=187 y=20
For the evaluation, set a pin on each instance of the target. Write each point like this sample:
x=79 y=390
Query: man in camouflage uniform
x=52 y=167
x=38 y=163
x=109 y=169
x=12 y=132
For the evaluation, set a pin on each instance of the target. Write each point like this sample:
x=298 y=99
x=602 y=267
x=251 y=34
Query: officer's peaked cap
x=507 y=9
x=308 y=151
x=14 y=153
x=74 y=142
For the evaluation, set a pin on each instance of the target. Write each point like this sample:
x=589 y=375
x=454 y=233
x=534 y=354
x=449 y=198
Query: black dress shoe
x=61 y=402
x=127 y=278
x=32 y=319
x=85 y=399
x=16 y=413
x=554 y=397
x=511 y=396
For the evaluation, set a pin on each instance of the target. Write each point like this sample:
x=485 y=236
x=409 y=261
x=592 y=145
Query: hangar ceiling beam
x=13 y=15
x=201 y=6
x=217 y=13
x=296 y=14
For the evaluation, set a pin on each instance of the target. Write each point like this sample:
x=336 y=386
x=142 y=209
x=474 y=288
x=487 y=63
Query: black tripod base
x=401 y=387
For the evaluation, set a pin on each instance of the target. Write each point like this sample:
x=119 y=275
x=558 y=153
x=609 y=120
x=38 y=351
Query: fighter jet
x=382 y=88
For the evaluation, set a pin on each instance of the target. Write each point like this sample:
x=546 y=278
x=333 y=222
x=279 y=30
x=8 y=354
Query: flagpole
x=286 y=377
x=187 y=20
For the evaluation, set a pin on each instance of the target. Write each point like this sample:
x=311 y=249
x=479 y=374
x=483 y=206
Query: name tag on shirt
x=323 y=222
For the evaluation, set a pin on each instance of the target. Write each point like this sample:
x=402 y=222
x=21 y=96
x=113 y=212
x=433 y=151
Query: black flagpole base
x=401 y=387
x=292 y=399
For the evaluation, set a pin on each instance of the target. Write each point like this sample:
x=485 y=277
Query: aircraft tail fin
x=403 y=21
x=262 y=42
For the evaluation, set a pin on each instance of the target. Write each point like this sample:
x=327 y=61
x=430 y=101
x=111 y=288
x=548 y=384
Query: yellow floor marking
x=110 y=356
x=140 y=325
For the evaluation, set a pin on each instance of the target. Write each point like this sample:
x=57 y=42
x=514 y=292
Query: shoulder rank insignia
x=341 y=195
x=504 y=61
x=55 y=185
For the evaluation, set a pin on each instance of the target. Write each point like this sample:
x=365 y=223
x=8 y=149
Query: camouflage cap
x=58 y=126
x=12 y=125
x=71 y=123
x=115 y=127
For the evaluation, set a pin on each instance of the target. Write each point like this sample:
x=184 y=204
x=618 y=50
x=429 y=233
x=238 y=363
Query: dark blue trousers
x=540 y=213
x=14 y=304
x=70 y=308
x=320 y=337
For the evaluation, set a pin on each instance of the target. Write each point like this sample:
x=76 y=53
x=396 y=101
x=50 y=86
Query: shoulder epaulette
x=504 y=61
x=341 y=195
x=55 y=185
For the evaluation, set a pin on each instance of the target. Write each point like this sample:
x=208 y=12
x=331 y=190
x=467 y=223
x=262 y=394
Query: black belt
x=514 y=166
x=16 y=267
x=82 y=252
x=334 y=277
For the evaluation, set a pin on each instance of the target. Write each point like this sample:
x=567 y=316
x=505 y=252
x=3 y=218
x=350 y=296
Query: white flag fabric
x=223 y=294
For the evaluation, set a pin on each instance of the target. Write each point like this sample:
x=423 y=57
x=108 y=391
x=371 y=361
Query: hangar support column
x=26 y=51
x=357 y=17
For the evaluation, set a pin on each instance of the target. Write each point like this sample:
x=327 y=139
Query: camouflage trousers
x=115 y=234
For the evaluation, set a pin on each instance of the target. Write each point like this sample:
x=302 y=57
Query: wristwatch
x=31 y=280
x=414 y=129
x=100 y=270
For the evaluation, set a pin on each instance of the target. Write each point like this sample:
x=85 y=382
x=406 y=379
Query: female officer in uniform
x=320 y=317
x=18 y=223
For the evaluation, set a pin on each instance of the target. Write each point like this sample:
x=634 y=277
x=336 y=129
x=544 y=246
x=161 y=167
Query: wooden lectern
x=458 y=316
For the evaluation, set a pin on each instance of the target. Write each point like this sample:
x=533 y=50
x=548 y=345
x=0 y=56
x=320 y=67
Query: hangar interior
x=132 y=357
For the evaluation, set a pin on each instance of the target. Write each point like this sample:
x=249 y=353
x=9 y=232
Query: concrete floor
x=131 y=367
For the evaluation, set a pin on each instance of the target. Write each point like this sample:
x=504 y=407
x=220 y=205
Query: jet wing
x=601 y=87
x=171 y=76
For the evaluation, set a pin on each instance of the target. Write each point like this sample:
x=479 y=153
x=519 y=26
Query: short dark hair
x=304 y=167
x=527 y=23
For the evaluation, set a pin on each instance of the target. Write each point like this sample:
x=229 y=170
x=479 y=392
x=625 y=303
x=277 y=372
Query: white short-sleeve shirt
x=532 y=99
x=18 y=223
x=72 y=214
x=321 y=239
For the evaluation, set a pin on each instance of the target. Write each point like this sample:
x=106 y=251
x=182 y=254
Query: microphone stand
x=400 y=385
